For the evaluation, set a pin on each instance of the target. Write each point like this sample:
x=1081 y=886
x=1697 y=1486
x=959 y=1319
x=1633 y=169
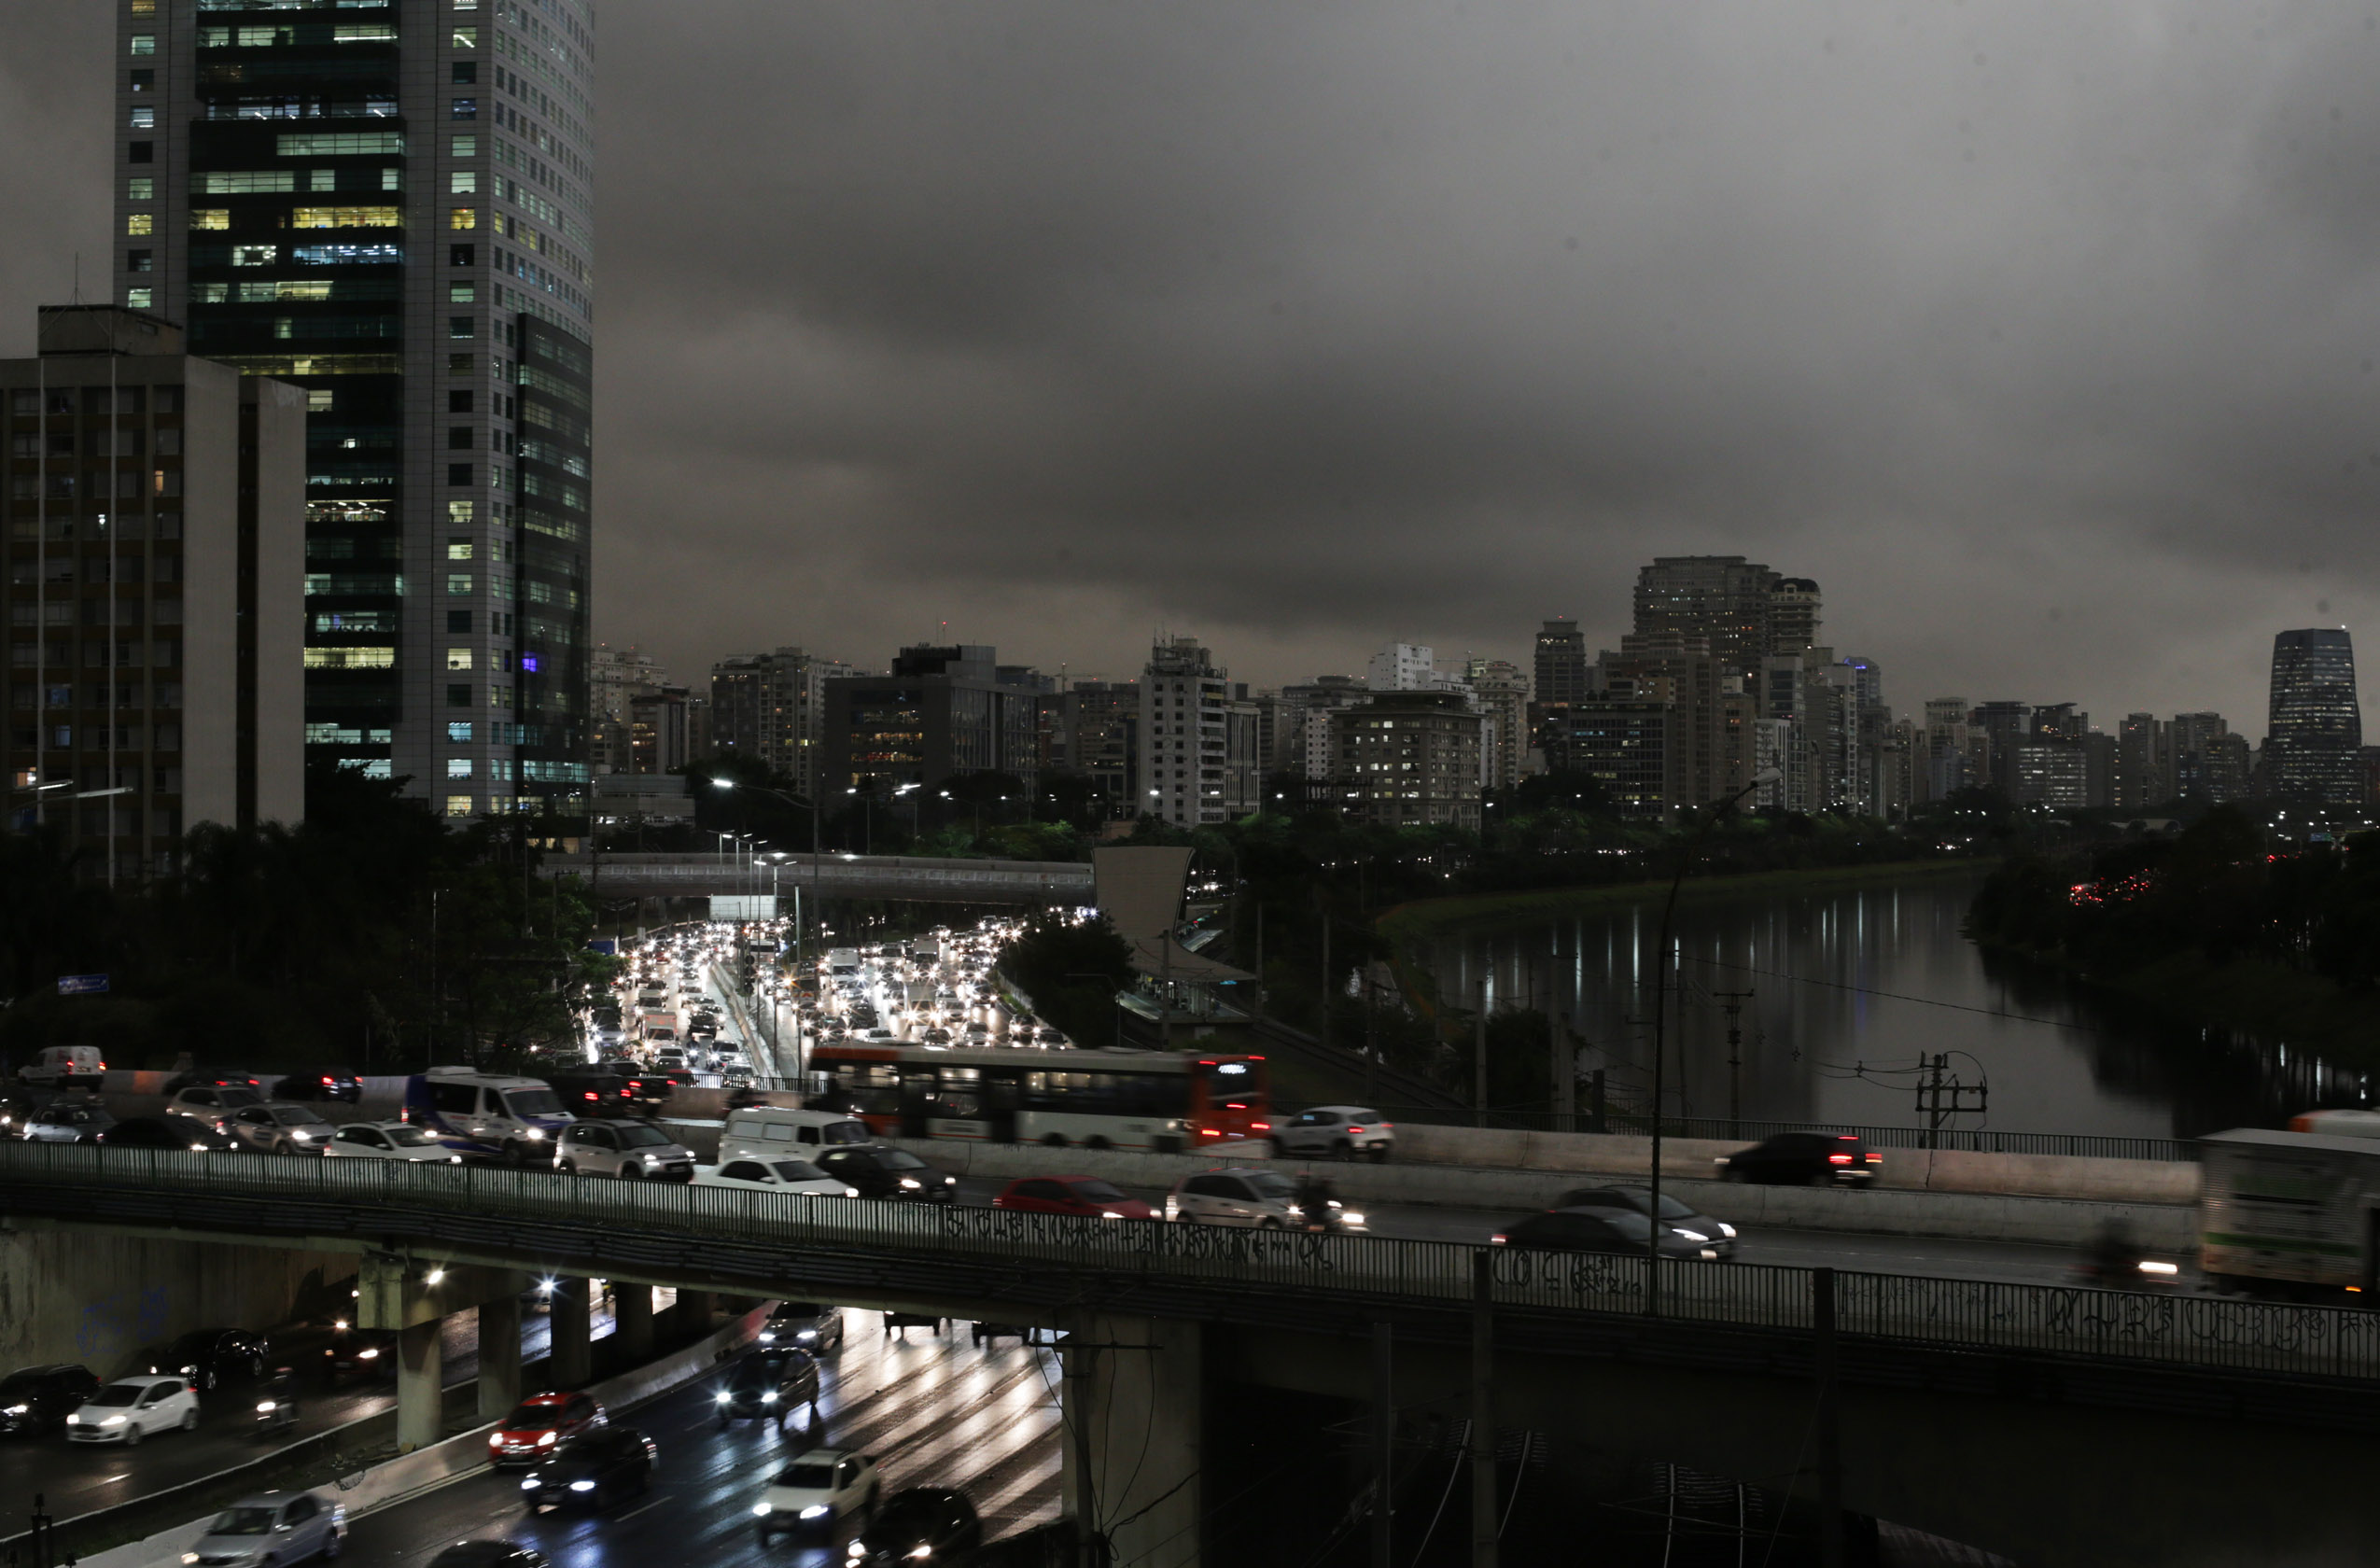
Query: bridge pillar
x=500 y=1335
x=571 y=1361
x=421 y=1365
x=1134 y=1387
x=696 y=1312
x=632 y=1319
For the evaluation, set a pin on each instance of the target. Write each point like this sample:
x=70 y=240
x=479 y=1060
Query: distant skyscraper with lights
x=2316 y=726
x=389 y=202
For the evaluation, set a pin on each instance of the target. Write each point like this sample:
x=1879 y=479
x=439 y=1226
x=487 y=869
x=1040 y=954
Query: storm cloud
x=2042 y=336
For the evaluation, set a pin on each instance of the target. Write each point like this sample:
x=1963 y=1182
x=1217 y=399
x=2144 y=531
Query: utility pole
x=1484 y=1523
x=1732 y=1002
x=1940 y=1098
x=1480 y=1058
x=1326 y=1030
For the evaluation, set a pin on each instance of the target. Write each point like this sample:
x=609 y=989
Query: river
x=1850 y=990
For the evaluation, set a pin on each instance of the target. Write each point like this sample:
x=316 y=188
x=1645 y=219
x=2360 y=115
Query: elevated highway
x=920 y=878
x=2051 y=1423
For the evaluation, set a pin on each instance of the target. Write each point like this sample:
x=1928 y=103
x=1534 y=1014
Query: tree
x=1072 y=970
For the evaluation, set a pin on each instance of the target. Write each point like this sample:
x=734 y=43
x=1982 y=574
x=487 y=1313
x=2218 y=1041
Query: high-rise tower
x=2317 y=723
x=389 y=202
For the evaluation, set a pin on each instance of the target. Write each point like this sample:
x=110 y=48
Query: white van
x=66 y=1066
x=769 y=1131
x=514 y=1118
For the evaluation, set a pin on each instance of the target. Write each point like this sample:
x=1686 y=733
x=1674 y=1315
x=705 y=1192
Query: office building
x=2003 y=725
x=668 y=728
x=1303 y=744
x=1793 y=615
x=2053 y=773
x=1501 y=691
x=2209 y=762
x=156 y=523
x=2143 y=763
x=1626 y=745
x=772 y=709
x=1243 y=773
x=1564 y=673
x=1102 y=739
x=388 y=202
x=2316 y=726
x=942 y=712
x=1410 y=759
x=1184 y=738
x=1723 y=600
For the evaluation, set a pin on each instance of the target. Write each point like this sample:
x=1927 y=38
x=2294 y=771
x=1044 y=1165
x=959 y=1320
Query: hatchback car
x=736 y=1075
x=279 y=1128
x=390 y=1141
x=360 y=1353
x=1820 y=1159
x=1261 y=1198
x=812 y=1325
x=1086 y=1195
x=271 y=1528
x=1598 y=1230
x=206 y=1356
x=209 y=1104
x=1679 y=1216
x=923 y=1524
x=789 y=1177
x=541 y=1424
x=816 y=1492
x=169 y=1132
x=878 y=1172
x=772 y=1383
x=68 y=1121
x=38 y=1398
x=630 y=1150
x=593 y=1469
x=317 y=1084
x=131 y=1409
x=1340 y=1131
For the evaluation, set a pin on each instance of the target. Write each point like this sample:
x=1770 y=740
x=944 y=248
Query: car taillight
x=1354 y=1129
x=1209 y=1132
x=1260 y=1126
x=1497 y=1238
x=1839 y=1159
x=1875 y=1159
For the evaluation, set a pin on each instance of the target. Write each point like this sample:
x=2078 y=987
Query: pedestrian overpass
x=2052 y=1424
x=918 y=878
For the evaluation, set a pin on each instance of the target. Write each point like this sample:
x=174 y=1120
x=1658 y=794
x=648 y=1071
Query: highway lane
x=933 y=1411
x=77 y=1478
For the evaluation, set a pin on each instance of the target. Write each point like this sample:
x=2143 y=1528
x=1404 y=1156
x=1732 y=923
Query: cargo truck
x=2294 y=1215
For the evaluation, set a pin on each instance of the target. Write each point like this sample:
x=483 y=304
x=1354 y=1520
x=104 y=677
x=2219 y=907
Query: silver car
x=272 y=1527
x=280 y=1126
x=625 y=1149
x=1339 y=1131
x=68 y=1121
x=391 y=1141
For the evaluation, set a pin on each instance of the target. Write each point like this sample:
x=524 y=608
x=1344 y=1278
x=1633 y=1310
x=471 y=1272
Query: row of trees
x=370 y=935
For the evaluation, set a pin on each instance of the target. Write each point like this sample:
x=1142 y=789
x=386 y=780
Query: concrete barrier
x=408 y=1475
x=1960 y=1216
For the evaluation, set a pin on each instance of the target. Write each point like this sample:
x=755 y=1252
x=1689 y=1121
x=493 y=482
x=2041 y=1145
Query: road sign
x=81 y=984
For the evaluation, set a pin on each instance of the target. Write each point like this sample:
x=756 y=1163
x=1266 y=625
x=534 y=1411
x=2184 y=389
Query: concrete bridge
x=920 y=878
x=2054 y=1425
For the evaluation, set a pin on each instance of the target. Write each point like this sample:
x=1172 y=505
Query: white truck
x=2291 y=1213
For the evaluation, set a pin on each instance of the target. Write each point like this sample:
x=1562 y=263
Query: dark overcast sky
x=2041 y=335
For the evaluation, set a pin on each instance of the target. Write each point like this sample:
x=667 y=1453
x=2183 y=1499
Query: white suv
x=625 y=1149
x=816 y=1492
x=130 y=1408
x=1340 y=1131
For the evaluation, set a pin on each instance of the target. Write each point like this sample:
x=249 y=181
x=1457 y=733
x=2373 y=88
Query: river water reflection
x=1851 y=990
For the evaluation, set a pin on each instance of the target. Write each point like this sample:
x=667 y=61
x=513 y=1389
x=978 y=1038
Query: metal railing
x=714 y=1233
x=1986 y=1140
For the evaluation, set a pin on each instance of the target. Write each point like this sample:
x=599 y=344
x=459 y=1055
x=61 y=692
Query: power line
x=1894 y=996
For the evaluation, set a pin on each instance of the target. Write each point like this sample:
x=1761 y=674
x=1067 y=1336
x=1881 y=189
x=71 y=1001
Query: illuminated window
x=458 y=767
x=464 y=146
x=461 y=293
x=458 y=658
x=138 y=298
x=460 y=583
x=351 y=658
x=464 y=37
x=144 y=43
x=463 y=217
x=338 y=144
x=458 y=806
x=245 y=182
x=210 y=217
x=367 y=33
x=460 y=511
x=458 y=729
x=463 y=182
x=255 y=255
x=347 y=218
x=140 y=188
x=140 y=225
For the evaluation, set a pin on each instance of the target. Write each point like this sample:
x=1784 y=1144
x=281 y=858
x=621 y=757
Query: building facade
x=1183 y=734
x=1500 y=690
x=942 y=712
x=772 y=708
x=389 y=204
x=156 y=507
x=2314 y=729
x=1410 y=759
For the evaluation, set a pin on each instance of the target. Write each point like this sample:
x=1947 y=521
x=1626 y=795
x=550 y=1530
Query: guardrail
x=842 y=875
x=715 y=1233
x=1986 y=1140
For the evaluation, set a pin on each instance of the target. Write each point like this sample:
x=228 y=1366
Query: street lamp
x=809 y=805
x=1660 y=1020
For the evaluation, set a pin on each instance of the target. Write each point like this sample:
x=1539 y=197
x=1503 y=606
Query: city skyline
x=822 y=433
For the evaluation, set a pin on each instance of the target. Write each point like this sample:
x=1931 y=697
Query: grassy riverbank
x=2250 y=996
x=1427 y=919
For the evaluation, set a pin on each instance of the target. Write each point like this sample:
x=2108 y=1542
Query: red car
x=1072 y=1194
x=541 y=1424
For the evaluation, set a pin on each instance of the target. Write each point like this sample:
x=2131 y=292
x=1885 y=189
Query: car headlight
x=531 y=1484
x=190 y=1556
x=20 y=1409
x=266 y=1406
x=1690 y=1235
x=454 y=1159
x=1727 y=1230
x=768 y=1337
x=1350 y=1218
x=763 y=1508
x=911 y=1182
x=811 y=1333
x=918 y=1554
x=546 y=1439
x=1296 y=1213
x=366 y=1356
x=495 y=1439
x=816 y=1510
x=302 y=1137
x=581 y=1486
x=769 y=1399
x=722 y=1397
x=535 y=1135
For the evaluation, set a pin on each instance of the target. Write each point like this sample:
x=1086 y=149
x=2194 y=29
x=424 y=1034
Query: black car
x=168 y=1133
x=593 y=1093
x=214 y=1078
x=1596 y=1230
x=771 y=1383
x=923 y=1524
x=1682 y=1217
x=37 y=1399
x=206 y=1356
x=1821 y=1159
x=488 y=1554
x=360 y=1353
x=314 y=1084
x=595 y=1468
x=873 y=1171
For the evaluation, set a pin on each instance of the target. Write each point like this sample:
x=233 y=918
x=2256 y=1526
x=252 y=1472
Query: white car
x=792 y=1177
x=130 y=1408
x=389 y=1140
x=1263 y=1200
x=626 y=1149
x=1340 y=1131
x=273 y=1527
x=818 y=1491
x=279 y=1128
x=212 y=1103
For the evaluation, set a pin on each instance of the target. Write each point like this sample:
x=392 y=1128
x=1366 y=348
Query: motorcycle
x=276 y=1409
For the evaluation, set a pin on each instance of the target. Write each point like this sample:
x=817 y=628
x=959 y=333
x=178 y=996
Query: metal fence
x=1984 y=1141
x=718 y=1231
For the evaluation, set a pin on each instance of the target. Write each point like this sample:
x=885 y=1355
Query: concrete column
x=500 y=1333
x=421 y=1363
x=697 y=1312
x=1130 y=1381
x=571 y=1363
x=632 y=1319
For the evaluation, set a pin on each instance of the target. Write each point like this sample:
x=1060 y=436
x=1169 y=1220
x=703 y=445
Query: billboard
x=761 y=907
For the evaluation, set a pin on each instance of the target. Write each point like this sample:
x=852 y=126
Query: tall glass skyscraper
x=2315 y=728
x=389 y=202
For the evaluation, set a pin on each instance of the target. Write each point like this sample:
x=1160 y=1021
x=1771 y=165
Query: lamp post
x=1660 y=1023
x=807 y=805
